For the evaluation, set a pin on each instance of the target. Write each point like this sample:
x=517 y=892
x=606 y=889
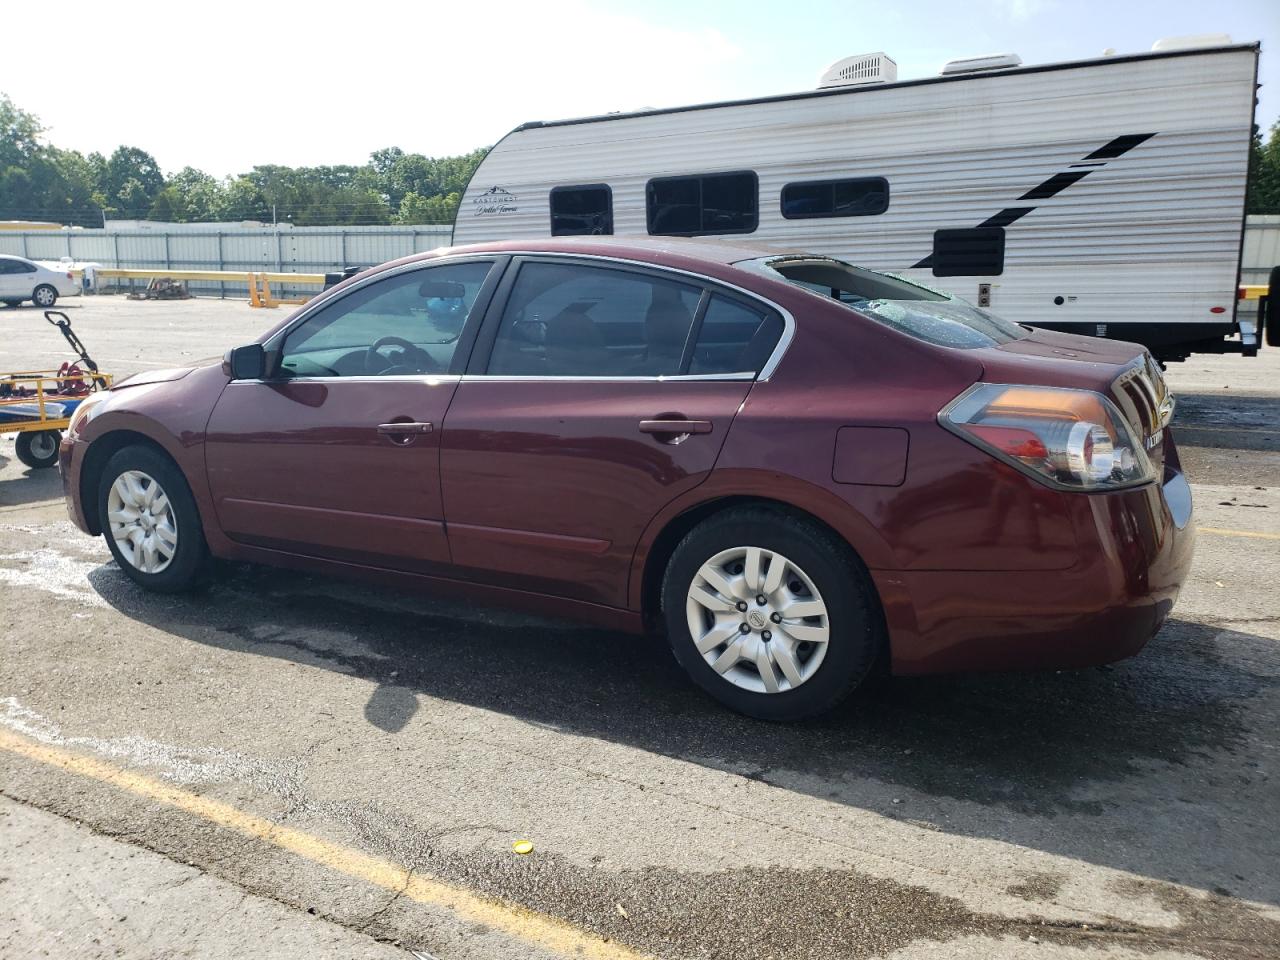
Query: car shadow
x=19 y=484
x=1052 y=761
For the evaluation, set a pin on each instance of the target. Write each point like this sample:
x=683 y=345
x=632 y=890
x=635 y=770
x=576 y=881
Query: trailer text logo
x=494 y=200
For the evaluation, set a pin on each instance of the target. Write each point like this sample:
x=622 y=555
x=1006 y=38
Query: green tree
x=39 y=181
x=417 y=209
x=1264 y=172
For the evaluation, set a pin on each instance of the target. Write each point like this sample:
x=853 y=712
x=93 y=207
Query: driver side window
x=404 y=324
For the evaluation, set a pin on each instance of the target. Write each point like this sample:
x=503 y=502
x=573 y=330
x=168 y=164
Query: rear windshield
x=915 y=310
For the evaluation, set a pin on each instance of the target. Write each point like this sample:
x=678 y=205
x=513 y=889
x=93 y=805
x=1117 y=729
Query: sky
x=224 y=87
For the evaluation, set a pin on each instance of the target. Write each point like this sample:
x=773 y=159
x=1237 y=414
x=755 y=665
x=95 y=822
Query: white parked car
x=22 y=279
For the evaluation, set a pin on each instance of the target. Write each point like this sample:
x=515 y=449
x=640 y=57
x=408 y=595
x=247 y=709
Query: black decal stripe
x=1120 y=145
x=1055 y=185
x=1006 y=216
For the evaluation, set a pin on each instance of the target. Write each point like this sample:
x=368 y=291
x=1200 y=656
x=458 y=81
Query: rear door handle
x=676 y=427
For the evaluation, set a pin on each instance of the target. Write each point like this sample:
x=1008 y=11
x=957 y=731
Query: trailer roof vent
x=1192 y=41
x=988 y=61
x=864 y=68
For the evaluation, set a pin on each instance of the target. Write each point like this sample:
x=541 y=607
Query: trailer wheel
x=1271 y=322
x=38 y=449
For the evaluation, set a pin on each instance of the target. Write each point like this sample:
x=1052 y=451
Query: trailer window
x=975 y=252
x=855 y=197
x=713 y=203
x=581 y=210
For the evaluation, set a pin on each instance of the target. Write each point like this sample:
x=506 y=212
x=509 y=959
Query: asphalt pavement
x=285 y=765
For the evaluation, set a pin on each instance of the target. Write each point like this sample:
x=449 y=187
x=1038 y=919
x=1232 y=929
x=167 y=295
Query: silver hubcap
x=142 y=522
x=44 y=297
x=43 y=446
x=757 y=619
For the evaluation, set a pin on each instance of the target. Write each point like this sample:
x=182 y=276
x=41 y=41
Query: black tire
x=38 y=449
x=1271 y=325
x=190 y=556
x=13 y=303
x=856 y=632
x=44 y=296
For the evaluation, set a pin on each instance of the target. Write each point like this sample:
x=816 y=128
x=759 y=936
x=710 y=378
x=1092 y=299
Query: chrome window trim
x=428 y=379
x=540 y=378
x=766 y=371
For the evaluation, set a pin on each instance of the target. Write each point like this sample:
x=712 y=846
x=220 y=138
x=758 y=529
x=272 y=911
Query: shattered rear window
x=916 y=310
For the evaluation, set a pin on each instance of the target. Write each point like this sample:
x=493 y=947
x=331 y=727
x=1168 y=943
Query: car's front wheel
x=44 y=296
x=770 y=613
x=150 y=521
x=13 y=303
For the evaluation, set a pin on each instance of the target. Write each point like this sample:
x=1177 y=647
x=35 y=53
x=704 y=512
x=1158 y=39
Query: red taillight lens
x=1014 y=441
x=1074 y=439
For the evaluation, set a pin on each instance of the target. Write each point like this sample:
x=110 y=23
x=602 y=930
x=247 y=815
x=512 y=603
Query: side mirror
x=245 y=363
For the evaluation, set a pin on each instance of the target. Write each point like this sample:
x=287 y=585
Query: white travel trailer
x=1103 y=197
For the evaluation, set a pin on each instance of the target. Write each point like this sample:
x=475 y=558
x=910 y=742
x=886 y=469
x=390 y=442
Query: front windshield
x=928 y=315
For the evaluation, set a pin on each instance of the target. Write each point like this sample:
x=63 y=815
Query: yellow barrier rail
x=259 y=282
x=1253 y=291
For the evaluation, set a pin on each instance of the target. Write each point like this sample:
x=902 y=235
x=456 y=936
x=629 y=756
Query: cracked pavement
x=1112 y=813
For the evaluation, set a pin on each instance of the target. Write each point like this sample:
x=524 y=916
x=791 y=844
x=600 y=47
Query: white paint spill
x=185 y=765
x=53 y=572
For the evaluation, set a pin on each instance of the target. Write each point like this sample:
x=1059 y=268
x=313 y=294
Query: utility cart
x=38 y=405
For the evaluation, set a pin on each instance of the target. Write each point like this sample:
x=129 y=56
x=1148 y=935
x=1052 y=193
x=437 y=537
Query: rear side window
x=973 y=252
x=855 y=197
x=572 y=320
x=734 y=338
x=582 y=211
x=712 y=203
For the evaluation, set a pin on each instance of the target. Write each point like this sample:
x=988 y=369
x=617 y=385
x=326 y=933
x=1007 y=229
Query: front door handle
x=404 y=432
x=674 y=430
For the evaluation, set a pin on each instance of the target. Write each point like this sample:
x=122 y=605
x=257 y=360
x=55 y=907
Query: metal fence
x=289 y=250
x=1261 y=253
x=325 y=249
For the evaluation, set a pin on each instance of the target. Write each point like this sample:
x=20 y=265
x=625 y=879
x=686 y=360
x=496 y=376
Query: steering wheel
x=375 y=363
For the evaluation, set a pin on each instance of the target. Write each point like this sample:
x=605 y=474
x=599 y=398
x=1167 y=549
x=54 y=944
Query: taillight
x=1073 y=439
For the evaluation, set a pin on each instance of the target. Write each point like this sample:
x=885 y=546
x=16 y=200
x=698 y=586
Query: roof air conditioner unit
x=1192 y=41
x=989 y=61
x=864 y=68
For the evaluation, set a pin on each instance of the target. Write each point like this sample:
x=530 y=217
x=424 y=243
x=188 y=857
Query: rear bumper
x=1135 y=553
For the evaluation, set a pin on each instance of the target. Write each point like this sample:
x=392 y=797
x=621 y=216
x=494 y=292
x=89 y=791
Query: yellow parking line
x=1223 y=532
x=547 y=933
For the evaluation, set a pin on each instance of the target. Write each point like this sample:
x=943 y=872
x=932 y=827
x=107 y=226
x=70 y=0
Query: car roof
x=655 y=249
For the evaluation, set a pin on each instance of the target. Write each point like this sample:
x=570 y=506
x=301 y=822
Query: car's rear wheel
x=150 y=521
x=771 y=613
x=38 y=449
x=44 y=296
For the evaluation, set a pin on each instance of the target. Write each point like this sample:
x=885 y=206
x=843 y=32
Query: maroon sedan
x=791 y=465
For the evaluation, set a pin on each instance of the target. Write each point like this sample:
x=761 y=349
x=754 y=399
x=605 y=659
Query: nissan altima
x=791 y=466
